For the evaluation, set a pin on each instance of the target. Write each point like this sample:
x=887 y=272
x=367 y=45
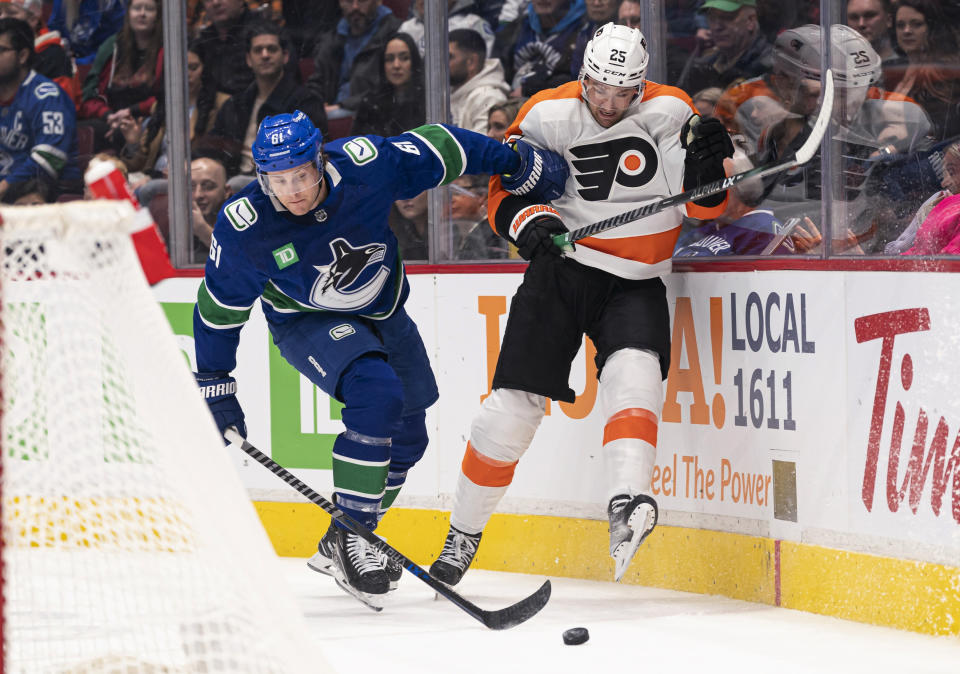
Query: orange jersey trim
x=636 y=423
x=647 y=248
x=486 y=472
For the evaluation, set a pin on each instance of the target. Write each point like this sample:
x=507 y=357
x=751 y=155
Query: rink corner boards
x=903 y=594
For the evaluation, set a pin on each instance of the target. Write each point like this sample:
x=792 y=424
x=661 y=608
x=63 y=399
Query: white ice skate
x=632 y=518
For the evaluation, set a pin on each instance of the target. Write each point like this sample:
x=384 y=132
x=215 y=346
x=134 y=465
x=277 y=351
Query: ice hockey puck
x=575 y=635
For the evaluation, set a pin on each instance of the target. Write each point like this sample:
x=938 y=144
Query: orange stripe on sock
x=486 y=472
x=632 y=423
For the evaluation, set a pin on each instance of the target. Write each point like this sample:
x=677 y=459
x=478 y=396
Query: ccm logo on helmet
x=630 y=162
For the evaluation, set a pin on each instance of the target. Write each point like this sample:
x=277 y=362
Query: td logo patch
x=630 y=162
x=285 y=256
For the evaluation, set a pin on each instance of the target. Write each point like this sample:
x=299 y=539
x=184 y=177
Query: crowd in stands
x=81 y=77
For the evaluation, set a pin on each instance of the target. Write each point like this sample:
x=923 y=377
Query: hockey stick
x=501 y=619
x=803 y=154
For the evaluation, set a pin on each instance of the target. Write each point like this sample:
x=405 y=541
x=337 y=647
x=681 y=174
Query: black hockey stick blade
x=500 y=619
x=803 y=154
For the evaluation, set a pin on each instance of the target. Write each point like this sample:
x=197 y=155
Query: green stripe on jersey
x=282 y=302
x=217 y=315
x=363 y=480
x=445 y=146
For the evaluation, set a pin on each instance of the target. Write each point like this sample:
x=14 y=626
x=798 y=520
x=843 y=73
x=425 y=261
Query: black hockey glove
x=219 y=390
x=536 y=238
x=707 y=144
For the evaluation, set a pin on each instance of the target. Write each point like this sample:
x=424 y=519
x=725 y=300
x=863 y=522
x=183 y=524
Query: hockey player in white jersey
x=624 y=140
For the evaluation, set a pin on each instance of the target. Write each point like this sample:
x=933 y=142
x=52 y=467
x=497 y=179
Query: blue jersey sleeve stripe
x=447 y=148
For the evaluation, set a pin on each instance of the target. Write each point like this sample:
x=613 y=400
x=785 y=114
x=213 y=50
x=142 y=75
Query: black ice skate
x=456 y=556
x=322 y=560
x=357 y=569
x=632 y=518
x=392 y=569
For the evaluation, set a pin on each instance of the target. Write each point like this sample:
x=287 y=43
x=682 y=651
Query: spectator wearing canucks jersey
x=38 y=120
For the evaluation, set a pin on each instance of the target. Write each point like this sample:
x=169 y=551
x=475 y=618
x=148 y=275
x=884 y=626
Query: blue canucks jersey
x=751 y=234
x=38 y=133
x=341 y=256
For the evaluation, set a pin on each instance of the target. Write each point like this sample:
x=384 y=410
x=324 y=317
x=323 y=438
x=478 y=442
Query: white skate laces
x=632 y=518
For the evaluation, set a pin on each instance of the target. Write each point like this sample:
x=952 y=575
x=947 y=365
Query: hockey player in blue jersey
x=310 y=240
x=38 y=139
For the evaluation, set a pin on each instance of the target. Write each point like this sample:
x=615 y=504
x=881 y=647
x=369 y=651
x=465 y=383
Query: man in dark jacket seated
x=273 y=91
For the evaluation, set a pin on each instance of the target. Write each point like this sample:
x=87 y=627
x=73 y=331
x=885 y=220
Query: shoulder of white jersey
x=667 y=100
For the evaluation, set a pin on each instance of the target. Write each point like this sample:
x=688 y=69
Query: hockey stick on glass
x=500 y=619
x=803 y=154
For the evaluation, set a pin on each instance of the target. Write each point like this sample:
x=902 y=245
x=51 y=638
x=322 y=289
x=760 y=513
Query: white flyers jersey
x=612 y=170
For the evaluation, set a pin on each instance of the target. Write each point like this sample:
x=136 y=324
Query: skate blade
x=623 y=553
x=321 y=565
x=374 y=602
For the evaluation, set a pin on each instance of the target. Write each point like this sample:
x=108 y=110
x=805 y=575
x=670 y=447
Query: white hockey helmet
x=854 y=62
x=616 y=55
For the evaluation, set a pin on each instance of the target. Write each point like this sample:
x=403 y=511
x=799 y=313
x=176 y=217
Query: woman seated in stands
x=146 y=144
x=929 y=73
x=398 y=104
x=126 y=75
x=935 y=227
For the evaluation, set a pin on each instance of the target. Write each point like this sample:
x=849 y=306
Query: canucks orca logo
x=337 y=289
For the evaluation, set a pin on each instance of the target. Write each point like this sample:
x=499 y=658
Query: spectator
x=50 y=56
x=399 y=103
x=346 y=62
x=408 y=220
x=599 y=12
x=536 y=49
x=86 y=24
x=740 y=50
x=705 y=100
x=951 y=186
x=221 y=45
x=460 y=14
x=874 y=20
x=304 y=20
x=38 y=137
x=273 y=91
x=629 y=13
x=929 y=73
x=742 y=228
x=476 y=82
x=208 y=183
x=501 y=115
x=146 y=144
x=31 y=192
x=126 y=76
x=473 y=237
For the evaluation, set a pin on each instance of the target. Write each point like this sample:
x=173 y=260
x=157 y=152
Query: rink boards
x=808 y=454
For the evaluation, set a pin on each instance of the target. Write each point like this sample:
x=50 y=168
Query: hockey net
x=129 y=543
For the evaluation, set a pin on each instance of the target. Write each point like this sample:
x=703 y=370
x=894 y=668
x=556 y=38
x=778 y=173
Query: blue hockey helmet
x=286 y=141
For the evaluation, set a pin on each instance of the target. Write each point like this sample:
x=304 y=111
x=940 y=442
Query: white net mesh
x=129 y=543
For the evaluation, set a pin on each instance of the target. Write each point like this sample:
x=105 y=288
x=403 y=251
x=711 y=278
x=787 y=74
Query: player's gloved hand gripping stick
x=496 y=620
x=801 y=156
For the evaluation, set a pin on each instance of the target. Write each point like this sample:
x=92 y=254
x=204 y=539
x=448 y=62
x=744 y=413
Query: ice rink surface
x=632 y=629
